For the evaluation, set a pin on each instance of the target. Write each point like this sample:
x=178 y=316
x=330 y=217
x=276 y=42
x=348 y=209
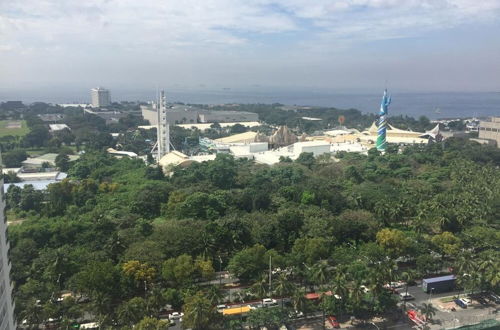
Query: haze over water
x=450 y=104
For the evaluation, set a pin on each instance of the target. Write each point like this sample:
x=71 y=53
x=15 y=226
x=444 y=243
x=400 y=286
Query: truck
x=439 y=284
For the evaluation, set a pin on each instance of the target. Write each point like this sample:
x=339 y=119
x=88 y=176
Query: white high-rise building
x=163 y=131
x=7 y=321
x=100 y=97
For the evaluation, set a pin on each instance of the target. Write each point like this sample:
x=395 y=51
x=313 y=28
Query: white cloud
x=68 y=37
x=122 y=23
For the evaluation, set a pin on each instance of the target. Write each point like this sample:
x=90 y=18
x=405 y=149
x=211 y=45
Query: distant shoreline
x=451 y=104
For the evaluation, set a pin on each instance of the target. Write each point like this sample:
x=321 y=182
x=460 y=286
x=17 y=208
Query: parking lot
x=445 y=317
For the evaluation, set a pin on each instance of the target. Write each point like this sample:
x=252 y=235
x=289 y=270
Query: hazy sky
x=411 y=44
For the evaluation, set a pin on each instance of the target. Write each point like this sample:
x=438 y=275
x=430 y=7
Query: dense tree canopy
x=132 y=240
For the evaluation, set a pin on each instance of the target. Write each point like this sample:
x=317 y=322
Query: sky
x=411 y=45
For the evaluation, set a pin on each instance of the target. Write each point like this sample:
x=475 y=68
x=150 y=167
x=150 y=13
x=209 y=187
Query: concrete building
x=316 y=147
x=176 y=114
x=490 y=130
x=211 y=116
x=7 y=321
x=109 y=116
x=100 y=97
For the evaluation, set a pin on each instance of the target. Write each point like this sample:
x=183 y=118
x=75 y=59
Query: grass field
x=13 y=127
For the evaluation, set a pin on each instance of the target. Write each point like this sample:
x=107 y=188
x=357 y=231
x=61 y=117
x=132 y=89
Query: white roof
x=246 y=137
x=7 y=170
x=58 y=127
x=336 y=132
x=40 y=176
x=311 y=143
x=121 y=153
x=202 y=158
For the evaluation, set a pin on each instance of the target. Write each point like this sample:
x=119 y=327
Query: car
x=494 y=298
x=365 y=289
x=220 y=308
x=295 y=314
x=395 y=285
x=460 y=303
x=255 y=306
x=466 y=301
x=268 y=302
x=333 y=321
x=175 y=316
x=406 y=296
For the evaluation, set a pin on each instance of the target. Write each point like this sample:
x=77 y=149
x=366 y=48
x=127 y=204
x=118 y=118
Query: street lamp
x=376 y=326
x=430 y=296
x=220 y=271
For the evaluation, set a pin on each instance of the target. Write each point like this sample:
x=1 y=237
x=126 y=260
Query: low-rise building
x=50 y=159
x=490 y=130
x=58 y=127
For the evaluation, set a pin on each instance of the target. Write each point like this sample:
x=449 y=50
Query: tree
x=149 y=323
x=11 y=177
x=180 y=270
x=428 y=310
x=447 y=243
x=140 y=272
x=97 y=279
x=393 y=241
x=306 y=159
x=14 y=158
x=62 y=162
x=283 y=287
x=249 y=263
x=267 y=317
x=132 y=311
x=199 y=313
x=31 y=199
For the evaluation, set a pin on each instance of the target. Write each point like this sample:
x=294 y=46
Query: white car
x=397 y=285
x=466 y=301
x=406 y=296
x=365 y=289
x=220 y=308
x=269 y=302
x=175 y=316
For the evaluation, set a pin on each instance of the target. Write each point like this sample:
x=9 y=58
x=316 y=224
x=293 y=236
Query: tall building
x=100 y=97
x=490 y=130
x=7 y=321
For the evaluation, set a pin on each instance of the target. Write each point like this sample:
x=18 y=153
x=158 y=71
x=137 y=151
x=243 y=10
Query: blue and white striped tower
x=382 y=122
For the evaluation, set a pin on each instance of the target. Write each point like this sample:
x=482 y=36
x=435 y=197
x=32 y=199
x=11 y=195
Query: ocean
x=433 y=105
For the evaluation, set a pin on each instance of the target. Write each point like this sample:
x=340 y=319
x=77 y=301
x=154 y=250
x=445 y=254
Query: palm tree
x=428 y=310
x=283 y=287
x=299 y=300
x=320 y=273
x=408 y=277
x=33 y=313
x=214 y=294
x=356 y=295
x=339 y=288
x=260 y=287
x=198 y=312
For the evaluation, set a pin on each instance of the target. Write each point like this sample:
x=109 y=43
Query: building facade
x=100 y=97
x=7 y=321
x=490 y=130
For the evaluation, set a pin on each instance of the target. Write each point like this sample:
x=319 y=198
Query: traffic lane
x=422 y=297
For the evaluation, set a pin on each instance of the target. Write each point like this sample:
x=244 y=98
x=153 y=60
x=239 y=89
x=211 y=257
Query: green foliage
x=14 y=158
x=199 y=313
x=336 y=225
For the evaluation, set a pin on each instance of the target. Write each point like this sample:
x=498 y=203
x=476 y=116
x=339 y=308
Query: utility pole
x=270 y=274
x=220 y=271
